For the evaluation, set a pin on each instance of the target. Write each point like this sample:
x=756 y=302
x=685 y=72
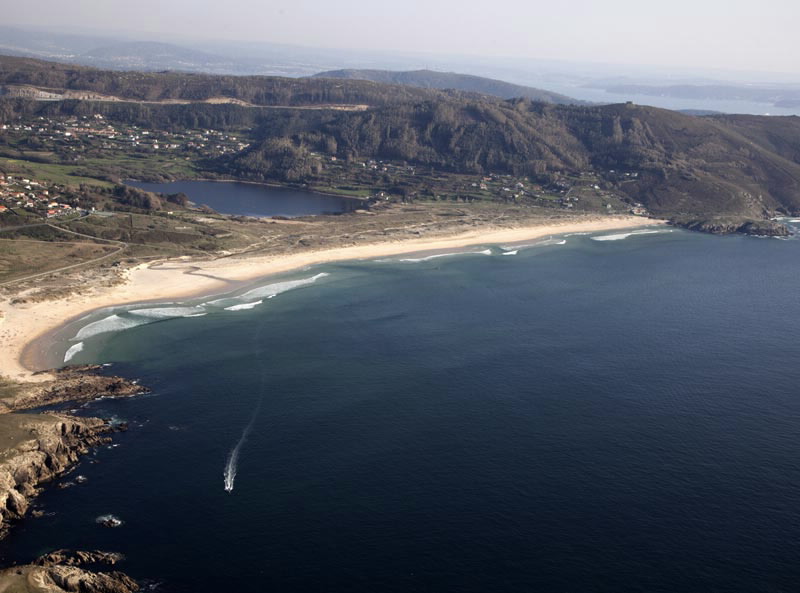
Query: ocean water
x=578 y=415
x=248 y=199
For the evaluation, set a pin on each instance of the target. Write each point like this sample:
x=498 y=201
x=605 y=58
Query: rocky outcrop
x=725 y=226
x=45 y=448
x=75 y=383
x=79 y=558
x=59 y=572
x=35 y=449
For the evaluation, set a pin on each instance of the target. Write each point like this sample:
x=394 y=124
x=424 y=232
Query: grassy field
x=58 y=174
x=22 y=257
x=136 y=166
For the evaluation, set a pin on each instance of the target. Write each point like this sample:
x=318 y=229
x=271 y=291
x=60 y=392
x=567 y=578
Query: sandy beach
x=24 y=328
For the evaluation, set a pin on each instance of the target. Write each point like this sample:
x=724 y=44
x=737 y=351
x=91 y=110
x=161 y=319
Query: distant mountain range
x=131 y=54
x=429 y=79
x=566 y=83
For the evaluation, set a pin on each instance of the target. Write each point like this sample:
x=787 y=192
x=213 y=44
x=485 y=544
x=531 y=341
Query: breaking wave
x=73 y=350
x=438 y=255
x=169 y=312
x=543 y=243
x=244 y=306
x=515 y=252
x=621 y=236
x=112 y=323
x=136 y=317
x=280 y=287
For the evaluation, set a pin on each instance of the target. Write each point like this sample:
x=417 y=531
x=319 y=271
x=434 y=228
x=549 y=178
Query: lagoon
x=250 y=199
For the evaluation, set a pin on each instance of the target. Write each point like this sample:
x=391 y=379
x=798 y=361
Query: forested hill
x=684 y=165
x=18 y=75
x=430 y=79
x=677 y=165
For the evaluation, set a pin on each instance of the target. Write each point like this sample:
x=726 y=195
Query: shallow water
x=618 y=415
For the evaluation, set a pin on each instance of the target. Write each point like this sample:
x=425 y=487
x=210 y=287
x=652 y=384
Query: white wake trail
x=231 y=466
x=233 y=457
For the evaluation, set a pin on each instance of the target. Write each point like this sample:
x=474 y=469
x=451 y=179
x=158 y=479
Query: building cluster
x=79 y=134
x=33 y=196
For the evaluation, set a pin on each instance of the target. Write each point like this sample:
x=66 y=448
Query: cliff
x=37 y=449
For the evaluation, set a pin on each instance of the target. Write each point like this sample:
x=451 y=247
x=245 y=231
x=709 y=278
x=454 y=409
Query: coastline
x=25 y=328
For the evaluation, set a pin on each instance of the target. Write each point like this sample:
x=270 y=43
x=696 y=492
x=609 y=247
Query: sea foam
x=279 y=287
x=438 y=255
x=244 y=306
x=73 y=350
x=112 y=323
x=543 y=243
x=169 y=312
x=621 y=236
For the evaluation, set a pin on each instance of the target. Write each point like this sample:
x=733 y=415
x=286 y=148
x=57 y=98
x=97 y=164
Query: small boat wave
x=232 y=465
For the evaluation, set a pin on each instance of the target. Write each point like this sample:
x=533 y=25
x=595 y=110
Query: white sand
x=23 y=325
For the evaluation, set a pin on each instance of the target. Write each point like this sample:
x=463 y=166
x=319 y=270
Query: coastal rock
x=71 y=384
x=109 y=521
x=64 y=579
x=48 y=445
x=59 y=572
x=725 y=226
x=78 y=558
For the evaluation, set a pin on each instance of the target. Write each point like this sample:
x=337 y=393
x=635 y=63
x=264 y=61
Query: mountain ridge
x=451 y=80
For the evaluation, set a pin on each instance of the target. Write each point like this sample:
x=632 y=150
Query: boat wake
x=232 y=465
x=233 y=456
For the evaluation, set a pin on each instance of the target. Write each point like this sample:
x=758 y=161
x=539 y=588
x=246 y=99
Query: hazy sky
x=732 y=34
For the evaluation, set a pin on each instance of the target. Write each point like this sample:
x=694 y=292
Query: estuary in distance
x=588 y=415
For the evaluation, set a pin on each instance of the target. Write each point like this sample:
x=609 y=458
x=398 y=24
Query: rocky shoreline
x=727 y=226
x=69 y=384
x=39 y=448
x=60 y=571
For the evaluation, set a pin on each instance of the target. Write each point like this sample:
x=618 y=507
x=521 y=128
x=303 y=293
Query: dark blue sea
x=587 y=416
